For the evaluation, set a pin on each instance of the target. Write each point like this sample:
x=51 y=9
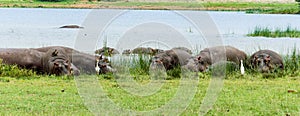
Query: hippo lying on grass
x=203 y=60
x=86 y=63
x=56 y=61
x=266 y=61
x=52 y=62
x=24 y=58
x=169 y=59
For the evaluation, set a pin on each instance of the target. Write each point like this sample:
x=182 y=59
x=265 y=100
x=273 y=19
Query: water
x=27 y=28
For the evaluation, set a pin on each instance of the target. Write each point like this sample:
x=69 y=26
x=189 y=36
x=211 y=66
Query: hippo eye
x=202 y=62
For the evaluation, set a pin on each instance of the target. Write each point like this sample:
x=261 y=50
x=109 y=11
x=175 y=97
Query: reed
x=275 y=33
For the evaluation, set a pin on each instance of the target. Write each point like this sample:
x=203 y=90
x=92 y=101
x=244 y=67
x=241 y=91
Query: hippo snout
x=264 y=69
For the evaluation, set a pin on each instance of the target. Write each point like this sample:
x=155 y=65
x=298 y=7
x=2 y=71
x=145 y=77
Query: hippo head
x=161 y=62
x=262 y=62
x=202 y=63
x=56 y=62
x=60 y=67
x=103 y=66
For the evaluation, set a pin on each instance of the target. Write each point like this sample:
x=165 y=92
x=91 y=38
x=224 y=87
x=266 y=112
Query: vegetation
x=249 y=7
x=267 y=32
x=250 y=94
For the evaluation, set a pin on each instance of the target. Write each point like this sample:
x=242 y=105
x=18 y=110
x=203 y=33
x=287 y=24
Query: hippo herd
x=60 y=60
x=56 y=60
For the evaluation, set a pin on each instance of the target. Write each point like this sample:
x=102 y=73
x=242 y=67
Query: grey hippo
x=266 y=61
x=86 y=63
x=169 y=59
x=209 y=56
x=36 y=60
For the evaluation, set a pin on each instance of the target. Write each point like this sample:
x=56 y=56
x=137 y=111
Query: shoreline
x=249 y=7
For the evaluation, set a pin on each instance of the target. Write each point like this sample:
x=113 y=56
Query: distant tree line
x=76 y=0
x=298 y=6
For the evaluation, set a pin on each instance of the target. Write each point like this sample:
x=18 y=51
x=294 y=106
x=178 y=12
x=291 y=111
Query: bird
x=97 y=68
x=242 y=68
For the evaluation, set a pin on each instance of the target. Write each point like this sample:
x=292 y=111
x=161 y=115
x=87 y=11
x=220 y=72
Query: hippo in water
x=107 y=51
x=169 y=59
x=183 y=48
x=203 y=60
x=71 y=26
x=266 y=61
x=56 y=61
x=143 y=50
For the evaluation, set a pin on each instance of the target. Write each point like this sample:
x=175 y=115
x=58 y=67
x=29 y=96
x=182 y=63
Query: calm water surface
x=26 y=28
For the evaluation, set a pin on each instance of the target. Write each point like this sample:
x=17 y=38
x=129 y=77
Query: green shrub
x=15 y=71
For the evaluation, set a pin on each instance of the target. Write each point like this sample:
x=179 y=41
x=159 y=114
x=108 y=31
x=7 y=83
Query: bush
x=14 y=71
x=56 y=0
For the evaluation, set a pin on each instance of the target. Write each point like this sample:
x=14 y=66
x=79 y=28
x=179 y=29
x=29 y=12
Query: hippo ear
x=67 y=62
x=255 y=57
x=99 y=57
x=199 y=57
x=55 y=52
x=268 y=58
x=56 y=64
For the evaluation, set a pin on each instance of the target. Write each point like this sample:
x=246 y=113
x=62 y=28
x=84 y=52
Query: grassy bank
x=244 y=96
x=250 y=7
x=25 y=93
x=275 y=33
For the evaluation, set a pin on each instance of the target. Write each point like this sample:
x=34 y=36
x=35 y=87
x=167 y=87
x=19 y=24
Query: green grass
x=268 y=32
x=249 y=7
x=250 y=94
x=41 y=96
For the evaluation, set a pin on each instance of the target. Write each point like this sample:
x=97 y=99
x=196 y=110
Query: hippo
x=71 y=26
x=23 y=58
x=266 y=61
x=103 y=65
x=203 y=60
x=169 y=59
x=107 y=51
x=56 y=61
x=143 y=50
x=86 y=63
x=126 y=52
x=183 y=48
x=32 y=59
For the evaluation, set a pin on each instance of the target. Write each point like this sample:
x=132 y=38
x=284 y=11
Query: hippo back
x=219 y=53
x=24 y=58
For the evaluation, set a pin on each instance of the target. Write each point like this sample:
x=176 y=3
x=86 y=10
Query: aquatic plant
x=268 y=32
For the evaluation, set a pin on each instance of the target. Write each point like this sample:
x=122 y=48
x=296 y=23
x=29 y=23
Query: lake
x=127 y=29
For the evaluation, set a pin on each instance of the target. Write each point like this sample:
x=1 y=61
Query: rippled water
x=26 y=27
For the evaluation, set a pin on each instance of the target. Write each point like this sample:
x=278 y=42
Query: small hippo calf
x=266 y=61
